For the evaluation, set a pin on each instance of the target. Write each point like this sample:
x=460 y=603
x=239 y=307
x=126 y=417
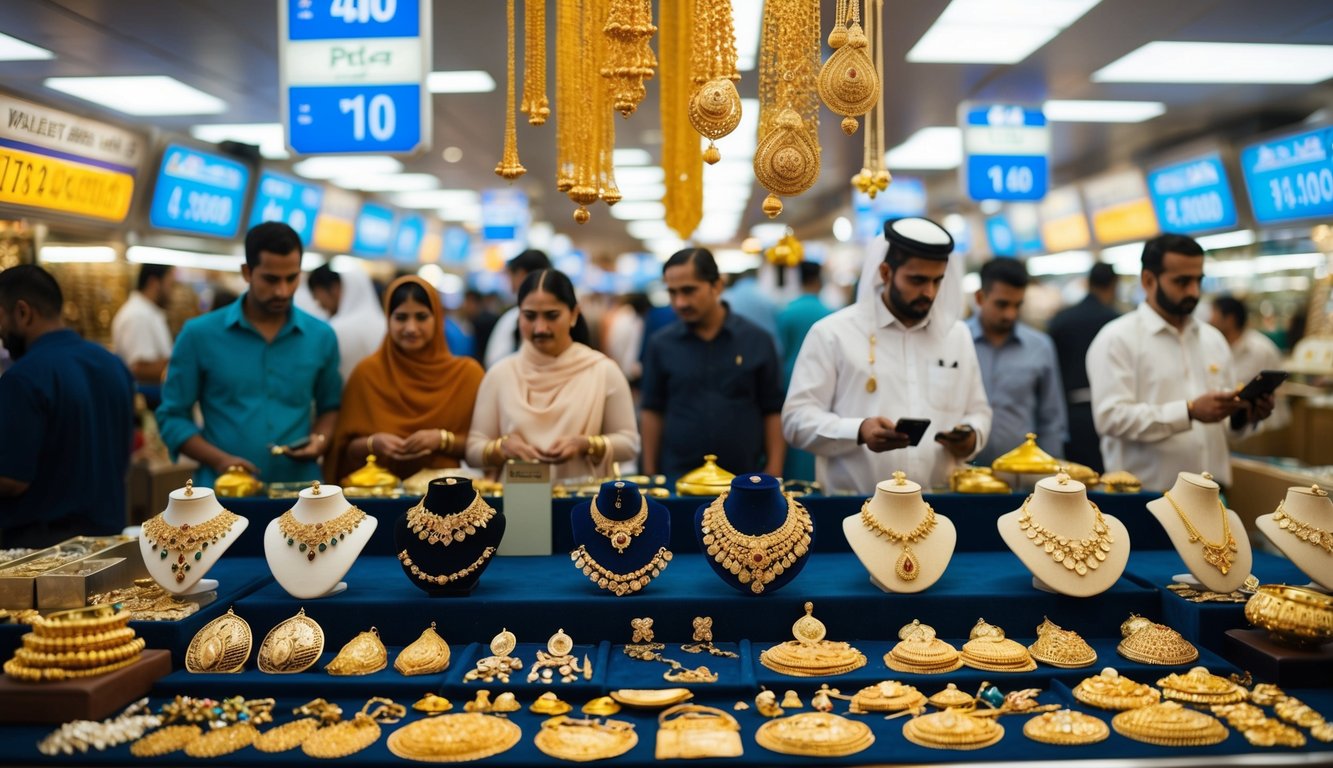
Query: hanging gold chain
x=786 y=160
x=630 y=61
x=535 y=105
x=509 y=167
x=682 y=161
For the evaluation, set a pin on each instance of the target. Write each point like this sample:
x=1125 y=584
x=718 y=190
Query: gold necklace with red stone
x=907 y=566
x=186 y=539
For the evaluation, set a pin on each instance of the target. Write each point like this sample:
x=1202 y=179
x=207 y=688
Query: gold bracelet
x=446 y=441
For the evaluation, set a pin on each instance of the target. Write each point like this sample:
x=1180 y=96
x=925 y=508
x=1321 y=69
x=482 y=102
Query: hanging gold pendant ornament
x=786 y=160
x=534 y=104
x=715 y=105
x=874 y=176
x=630 y=61
x=586 y=131
x=682 y=160
x=848 y=81
x=509 y=167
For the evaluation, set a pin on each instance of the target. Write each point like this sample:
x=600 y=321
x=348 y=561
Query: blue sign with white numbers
x=407 y=241
x=199 y=193
x=1193 y=196
x=354 y=75
x=1290 y=178
x=1005 y=152
x=281 y=198
x=374 y=231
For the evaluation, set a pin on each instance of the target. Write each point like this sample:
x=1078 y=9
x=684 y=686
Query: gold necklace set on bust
x=621 y=534
x=907 y=567
x=1221 y=554
x=1077 y=555
x=444 y=530
x=756 y=560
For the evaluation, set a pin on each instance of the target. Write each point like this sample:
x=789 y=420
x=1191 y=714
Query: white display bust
x=1060 y=506
x=898 y=506
x=305 y=577
x=193 y=507
x=1198 y=498
x=1310 y=511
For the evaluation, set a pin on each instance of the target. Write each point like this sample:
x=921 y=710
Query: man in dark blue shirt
x=66 y=417
x=711 y=383
x=1073 y=329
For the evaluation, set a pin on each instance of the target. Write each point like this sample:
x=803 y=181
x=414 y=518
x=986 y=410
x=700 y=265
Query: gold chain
x=311 y=538
x=586 y=131
x=187 y=539
x=874 y=176
x=1078 y=555
x=535 y=104
x=1314 y=535
x=756 y=560
x=1220 y=555
x=629 y=61
x=447 y=577
x=682 y=159
x=509 y=167
x=446 y=529
x=620 y=583
x=620 y=532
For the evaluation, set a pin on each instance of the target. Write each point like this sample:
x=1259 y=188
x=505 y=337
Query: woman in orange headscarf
x=410 y=403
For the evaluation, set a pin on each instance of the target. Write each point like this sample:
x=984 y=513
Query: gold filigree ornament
x=1111 y=690
x=1257 y=728
x=164 y=741
x=499 y=664
x=989 y=650
x=1061 y=647
x=810 y=655
x=920 y=652
x=1153 y=643
x=690 y=731
x=786 y=161
x=509 y=167
x=1066 y=727
x=432 y=704
x=581 y=741
x=292 y=646
x=454 y=738
x=427 y=655
x=714 y=104
x=352 y=736
x=630 y=61
x=221 y=646
x=364 y=654
x=815 y=734
x=222 y=741
x=1168 y=724
x=293 y=734
x=848 y=81
x=951 y=698
x=888 y=696
x=953 y=729
x=1199 y=686
x=1293 y=615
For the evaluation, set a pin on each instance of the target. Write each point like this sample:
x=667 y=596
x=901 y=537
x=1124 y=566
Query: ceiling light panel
x=438 y=198
x=1017 y=13
x=1232 y=63
x=643 y=210
x=995 y=31
x=329 y=167
x=395 y=182
x=146 y=95
x=14 y=49
x=1078 y=111
x=269 y=137
x=936 y=148
x=461 y=81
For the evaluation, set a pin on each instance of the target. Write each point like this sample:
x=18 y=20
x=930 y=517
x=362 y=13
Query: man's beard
x=1185 y=308
x=914 y=310
x=15 y=345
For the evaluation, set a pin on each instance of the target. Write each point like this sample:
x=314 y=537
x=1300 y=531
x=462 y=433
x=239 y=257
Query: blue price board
x=199 y=193
x=1193 y=196
x=407 y=242
x=353 y=75
x=1290 y=178
x=1006 y=150
x=281 y=198
x=374 y=230
x=1000 y=236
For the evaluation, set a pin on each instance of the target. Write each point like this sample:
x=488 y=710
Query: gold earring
x=292 y=646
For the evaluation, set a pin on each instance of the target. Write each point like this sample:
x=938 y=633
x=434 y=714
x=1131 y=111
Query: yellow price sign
x=55 y=184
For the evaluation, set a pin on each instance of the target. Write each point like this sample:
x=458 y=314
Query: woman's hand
x=423 y=442
x=515 y=447
x=565 y=448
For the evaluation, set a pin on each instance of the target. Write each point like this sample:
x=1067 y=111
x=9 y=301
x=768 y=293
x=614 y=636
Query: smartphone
x=957 y=433
x=915 y=429
x=280 y=450
x=1264 y=383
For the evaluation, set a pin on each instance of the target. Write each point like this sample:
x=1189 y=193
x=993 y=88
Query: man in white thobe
x=899 y=352
x=1163 y=382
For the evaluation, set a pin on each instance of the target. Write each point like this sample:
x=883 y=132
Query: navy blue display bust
x=454 y=567
x=622 y=538
x=754 y=536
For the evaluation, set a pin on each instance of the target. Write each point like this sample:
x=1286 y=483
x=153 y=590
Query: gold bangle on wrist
x=446 y=441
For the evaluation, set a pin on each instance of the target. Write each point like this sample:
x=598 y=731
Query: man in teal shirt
x=259 y=369
x=794 y=322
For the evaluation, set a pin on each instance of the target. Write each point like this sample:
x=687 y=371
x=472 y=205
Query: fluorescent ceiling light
x=461 y=81
x=936 y=148
x=330 y=167
x=1078 y=111
x=747 y=18
x=437 y=198
x=1064 y=263
x=14 y=49
x=145 y=95
x=639 y=210
x=394 y=182
x=768 y=232
x=631 y=156
x=76 y=253
x=649 y=230
x=663 y=247
x=633 y=176
x=142 y=254
x=1175 y=62
x=995 y=31
x=269 y=137
x=1234 y=239
x=460 y=213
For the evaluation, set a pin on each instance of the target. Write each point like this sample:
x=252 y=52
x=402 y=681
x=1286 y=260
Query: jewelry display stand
x=180 y=568
x=761 y=539
x=1213 y=562
x=1302 y=528
x=302 y=569
x=904 y=545
x=466 y=538
x=620 y=530
x=1059 y=508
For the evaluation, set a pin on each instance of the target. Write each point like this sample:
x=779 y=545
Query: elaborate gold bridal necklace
x=1077 y=555
x=620 y=532
x=907 y=566
x=187 y=539
x=446 y=529
x=756 y=560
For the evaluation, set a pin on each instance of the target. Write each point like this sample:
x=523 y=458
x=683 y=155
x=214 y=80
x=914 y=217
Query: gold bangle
x=446 y=441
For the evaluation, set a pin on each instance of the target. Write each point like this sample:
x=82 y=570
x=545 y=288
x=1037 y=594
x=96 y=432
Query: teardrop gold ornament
x=907 y=566
x=715 y=108
x=426 y=655
x=786 y=161
x=848 y=83
x=871 y=385
x=363 y=655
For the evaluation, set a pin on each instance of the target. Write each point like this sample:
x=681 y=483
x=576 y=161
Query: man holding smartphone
x=868 y=375
x=1162 y=382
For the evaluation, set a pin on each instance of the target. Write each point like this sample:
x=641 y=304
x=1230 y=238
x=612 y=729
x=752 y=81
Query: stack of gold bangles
x=84 y=642
x=447 y=441
x=493 y=455
x=596 y=448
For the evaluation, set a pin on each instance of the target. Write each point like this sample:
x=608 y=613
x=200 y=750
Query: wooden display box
x=1255 y=651
x=94 y=698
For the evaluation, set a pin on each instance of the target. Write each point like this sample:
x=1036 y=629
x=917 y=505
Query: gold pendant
x=786 y=161
x=222 y=646
x=363 y=655
x=907 y=567
x=426 y=655
x=715 y=108
x=871 y=386
x=292 y=646
x=848 y=83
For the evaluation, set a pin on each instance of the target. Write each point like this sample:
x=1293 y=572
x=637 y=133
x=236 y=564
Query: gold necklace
x=620 y=532
x=629 y=57
x=1220 y=555
x=317 y=537
x=535 y=104
x=352 y=736
x=447 y=529
x=714 y=105
x=907 y=567
x=187 y=539
x=1317 y=537
x=620 y=584
x=756 y=560
x=509 y=167
x=1079 y=555
x=447 y=577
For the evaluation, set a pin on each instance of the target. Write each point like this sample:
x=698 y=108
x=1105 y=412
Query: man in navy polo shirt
x=66 y=417
x=711 y=383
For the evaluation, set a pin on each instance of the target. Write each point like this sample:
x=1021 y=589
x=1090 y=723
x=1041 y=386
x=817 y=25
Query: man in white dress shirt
x=139 y=333
x=1251 y=351
x=1163 y=382
x=900 y=352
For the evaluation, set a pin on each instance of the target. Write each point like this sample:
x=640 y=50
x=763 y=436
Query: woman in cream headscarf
x=410 y=402
x=556 y=400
